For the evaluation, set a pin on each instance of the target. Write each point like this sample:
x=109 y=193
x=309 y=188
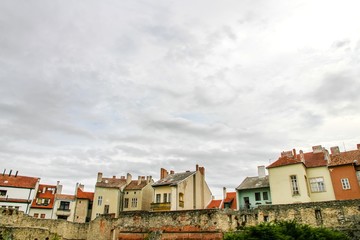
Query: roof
x=344 y=158
x=231 y=199
x=65 y=197
x=44 y=193
x=310 y=160
x=173 y=179
x=18 y=181
x=254 y=182
x=111 y=182
x=84 y=195
x=134 y=185
x=214 y=204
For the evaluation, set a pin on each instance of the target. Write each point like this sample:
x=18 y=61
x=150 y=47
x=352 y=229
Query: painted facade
x=17 y=191
x=181 y=191
x=43 y=204
x=64 y=207
x=83 y=204
x=138 y=194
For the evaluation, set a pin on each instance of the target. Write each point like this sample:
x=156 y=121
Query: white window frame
x=345 y=183
x=317 y=184
x=100 y=198
x=294 y=185
x=134 y=202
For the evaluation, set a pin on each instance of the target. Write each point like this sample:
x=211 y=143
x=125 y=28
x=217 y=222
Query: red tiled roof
x=47 y=194
x=283 y=161
x=214 y=204
x=231 y=198
x=344 y=158
x=310 y=160
x=84 y=195
x=18 y=181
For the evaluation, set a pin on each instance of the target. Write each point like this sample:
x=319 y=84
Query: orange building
x=344 y=170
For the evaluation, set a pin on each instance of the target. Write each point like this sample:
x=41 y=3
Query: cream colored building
x=303 y=177
x=138 y=194
x=64 y=207
x=83 y=204
x=181 y=191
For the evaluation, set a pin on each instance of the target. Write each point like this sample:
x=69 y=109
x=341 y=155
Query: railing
x=161 y=206
x=63 y=212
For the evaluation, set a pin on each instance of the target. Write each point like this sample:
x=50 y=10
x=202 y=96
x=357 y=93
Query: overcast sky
x=133 y=86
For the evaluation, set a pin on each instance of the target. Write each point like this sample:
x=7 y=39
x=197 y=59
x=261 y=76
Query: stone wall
x=193 y=224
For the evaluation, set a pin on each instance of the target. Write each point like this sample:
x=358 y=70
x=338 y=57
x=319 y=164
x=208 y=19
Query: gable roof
x=84 y=195
x=254 y=182
x=173 y=179
x=283 y=161
x=345 y=158
x=134 y=185
x=18 y=181
x=311 y=159
x=231 y=199
x=44 y=193
x=214 y=204
x=111 y=182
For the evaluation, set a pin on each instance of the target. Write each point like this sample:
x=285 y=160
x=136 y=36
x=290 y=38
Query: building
x=138 y=194
x=43 y=204
x=17 y=191
x=344 y=169
x=299 y=178
x=181 y=191
x=254 y=191
x=109 y=195
x=64 y=207
x=83 y=204
x=228 y=201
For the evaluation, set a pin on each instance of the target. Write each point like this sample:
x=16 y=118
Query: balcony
x=63 y=212
x=161 y=206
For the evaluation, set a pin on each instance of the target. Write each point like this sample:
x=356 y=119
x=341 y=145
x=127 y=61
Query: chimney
x=289 y=154
x=139 y=180
x=148 y=179
x=261 y=171
x=81 y=186
x=358 y=146
x=294 y=153
x=326 y=155
x=335 y=150
x=317 y=149
x=302 y=157
x=58 y=187
x=10 y=173
x=172 y=172
x=16 y=173
x=114 y=177
x=122 y=177
x=202 y=170
x=128 y=178
x=163 y=173
x=99 y=177
x=197 y=167
x=224 y=192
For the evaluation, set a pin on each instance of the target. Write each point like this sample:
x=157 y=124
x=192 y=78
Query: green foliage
x=285 y=230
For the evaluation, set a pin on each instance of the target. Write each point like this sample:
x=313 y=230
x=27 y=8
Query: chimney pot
x=261 y=171
x=358 y=146
x=317 y=149
x=335 y=150
x=99 y=177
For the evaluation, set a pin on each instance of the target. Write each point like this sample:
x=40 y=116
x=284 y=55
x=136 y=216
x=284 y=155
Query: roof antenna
x=10 y=172
x=4 y=171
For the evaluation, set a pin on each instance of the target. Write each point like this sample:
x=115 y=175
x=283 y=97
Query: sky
x=133 y=86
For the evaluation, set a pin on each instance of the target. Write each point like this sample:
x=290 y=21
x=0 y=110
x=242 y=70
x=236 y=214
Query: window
x=158 y=198
x=317 y=184
x=294 y=185
x=106 y=209
x=126 y=203
x=257 y=196
x=165 y=197
x=3 y=192
x=134 y=202
x=169 y=197
x=64 y=205
x=265 y=196
x=99 y=200
x=345 y=183
x=42 y=215
x=36 y=215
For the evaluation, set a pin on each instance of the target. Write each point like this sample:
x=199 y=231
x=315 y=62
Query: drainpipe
x=27 y=207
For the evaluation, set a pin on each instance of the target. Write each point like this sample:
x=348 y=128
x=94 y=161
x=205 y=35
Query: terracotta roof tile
x=84 y=195
x=231 y=198
x=44 y=195
x=344 y=158
x=283 y=161
x=310 y=160
x=214 y=204
x=18 y=181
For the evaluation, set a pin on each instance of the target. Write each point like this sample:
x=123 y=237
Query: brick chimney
x=358 y=146
x=261 y=171
x=58 y=187
x=302 y=157
x=99 y=177
x=317 y=149
x=202 y=170
x=172 y=172
x=289 y=154
x=139 y=180
x=335 y=150
x=163 y=173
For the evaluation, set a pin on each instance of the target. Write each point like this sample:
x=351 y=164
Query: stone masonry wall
x=193 y=224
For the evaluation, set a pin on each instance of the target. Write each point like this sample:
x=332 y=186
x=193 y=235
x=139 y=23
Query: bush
x=285 y=230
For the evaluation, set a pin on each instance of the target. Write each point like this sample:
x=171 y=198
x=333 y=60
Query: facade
x=181 y=191
x=344 y=169
x=254 y=191
x=138 y=194
x=83 y=204
x=43 y=204
x=17 y=191
x=109 y=195
x=299 y=178
x=64 y=207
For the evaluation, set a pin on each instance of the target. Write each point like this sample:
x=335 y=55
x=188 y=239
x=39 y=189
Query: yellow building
x=303 y=177
x=138 y=194
x=181 y=191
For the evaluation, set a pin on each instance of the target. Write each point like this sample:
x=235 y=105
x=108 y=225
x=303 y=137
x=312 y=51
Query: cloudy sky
x=132 y=86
